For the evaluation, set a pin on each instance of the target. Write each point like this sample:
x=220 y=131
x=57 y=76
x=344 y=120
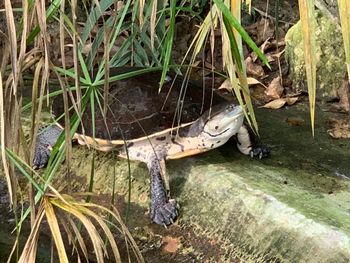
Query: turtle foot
x=44 y=144
x=41 y=156
x=259 y=152
x=165 y=214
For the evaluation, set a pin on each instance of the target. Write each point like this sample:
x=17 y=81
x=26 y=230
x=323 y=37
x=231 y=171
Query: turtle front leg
x=248 y=147
x=162 y=210
x=44 y=144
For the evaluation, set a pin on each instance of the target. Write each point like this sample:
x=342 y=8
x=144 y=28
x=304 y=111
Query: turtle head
x=218 y=123
x=224 y=120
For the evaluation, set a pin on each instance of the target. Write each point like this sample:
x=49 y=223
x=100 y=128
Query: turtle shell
x=136 y=108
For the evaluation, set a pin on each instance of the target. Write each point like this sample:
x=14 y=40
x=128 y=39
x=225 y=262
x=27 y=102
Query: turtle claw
x=259 y=152
x=165 y=214
x=41 y=156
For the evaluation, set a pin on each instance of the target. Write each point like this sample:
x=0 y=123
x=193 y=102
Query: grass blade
x=2 y=141
x=153 y=19
x=51 y=10
x=55 y=230
x=91 y=229
x=236 y=25
x=307 y=17
x=30 y=247
x=232 y=50
x=344 y=11
x=168 y=42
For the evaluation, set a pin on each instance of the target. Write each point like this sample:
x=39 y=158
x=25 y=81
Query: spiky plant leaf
x=50 y=12
x=168 y=42
x=307 y=18
x=30 y=248
x=344 y=11
x=237 y=26
x=55 y=230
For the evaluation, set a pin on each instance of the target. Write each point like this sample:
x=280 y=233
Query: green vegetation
x=145 y=32
x=74 y=46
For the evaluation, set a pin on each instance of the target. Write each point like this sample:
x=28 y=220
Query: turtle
x=143 y=124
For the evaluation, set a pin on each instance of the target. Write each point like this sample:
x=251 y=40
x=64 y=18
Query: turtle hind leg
x=162 y=210
x=44 y=144
x=247 y=144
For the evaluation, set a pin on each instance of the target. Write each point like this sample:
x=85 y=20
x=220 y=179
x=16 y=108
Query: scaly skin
x=259 y=152
x=162 y=210
x=44 y=144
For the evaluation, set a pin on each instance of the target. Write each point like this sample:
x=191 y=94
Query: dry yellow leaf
x=279 y=103
x=252 y=81
x=275 y=89
x=275 y=104
x=226 y=85
x=291 y=100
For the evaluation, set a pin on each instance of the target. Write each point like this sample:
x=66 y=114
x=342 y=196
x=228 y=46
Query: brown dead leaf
x=263 y=47
x=252 y=81
x=291 y=100
x=226 y=85
x=209 y=65
x=87 y=47
x=294 y=121
x=275 y=89
x=171 y=244
x=279 y=54
x=344 y=96
x=254 y=69
x=272 y=44
x=266 y=29
x=275 y=104
x=261 y=30
x=279 y=103
x=272 y=57
x=196 y=63
x=269 y=48
x=279 y=43
x=339 y=133
x=339 y=127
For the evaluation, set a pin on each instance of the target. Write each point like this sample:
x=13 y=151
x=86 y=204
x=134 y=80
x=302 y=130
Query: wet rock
x=292 y=207
x=330 y=56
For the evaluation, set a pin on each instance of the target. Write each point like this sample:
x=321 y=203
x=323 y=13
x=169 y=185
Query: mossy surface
x=292 y=207
x=330 y=57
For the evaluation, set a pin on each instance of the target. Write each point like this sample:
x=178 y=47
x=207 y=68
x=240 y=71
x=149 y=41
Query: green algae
x=292 y=207
x=330 y=56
